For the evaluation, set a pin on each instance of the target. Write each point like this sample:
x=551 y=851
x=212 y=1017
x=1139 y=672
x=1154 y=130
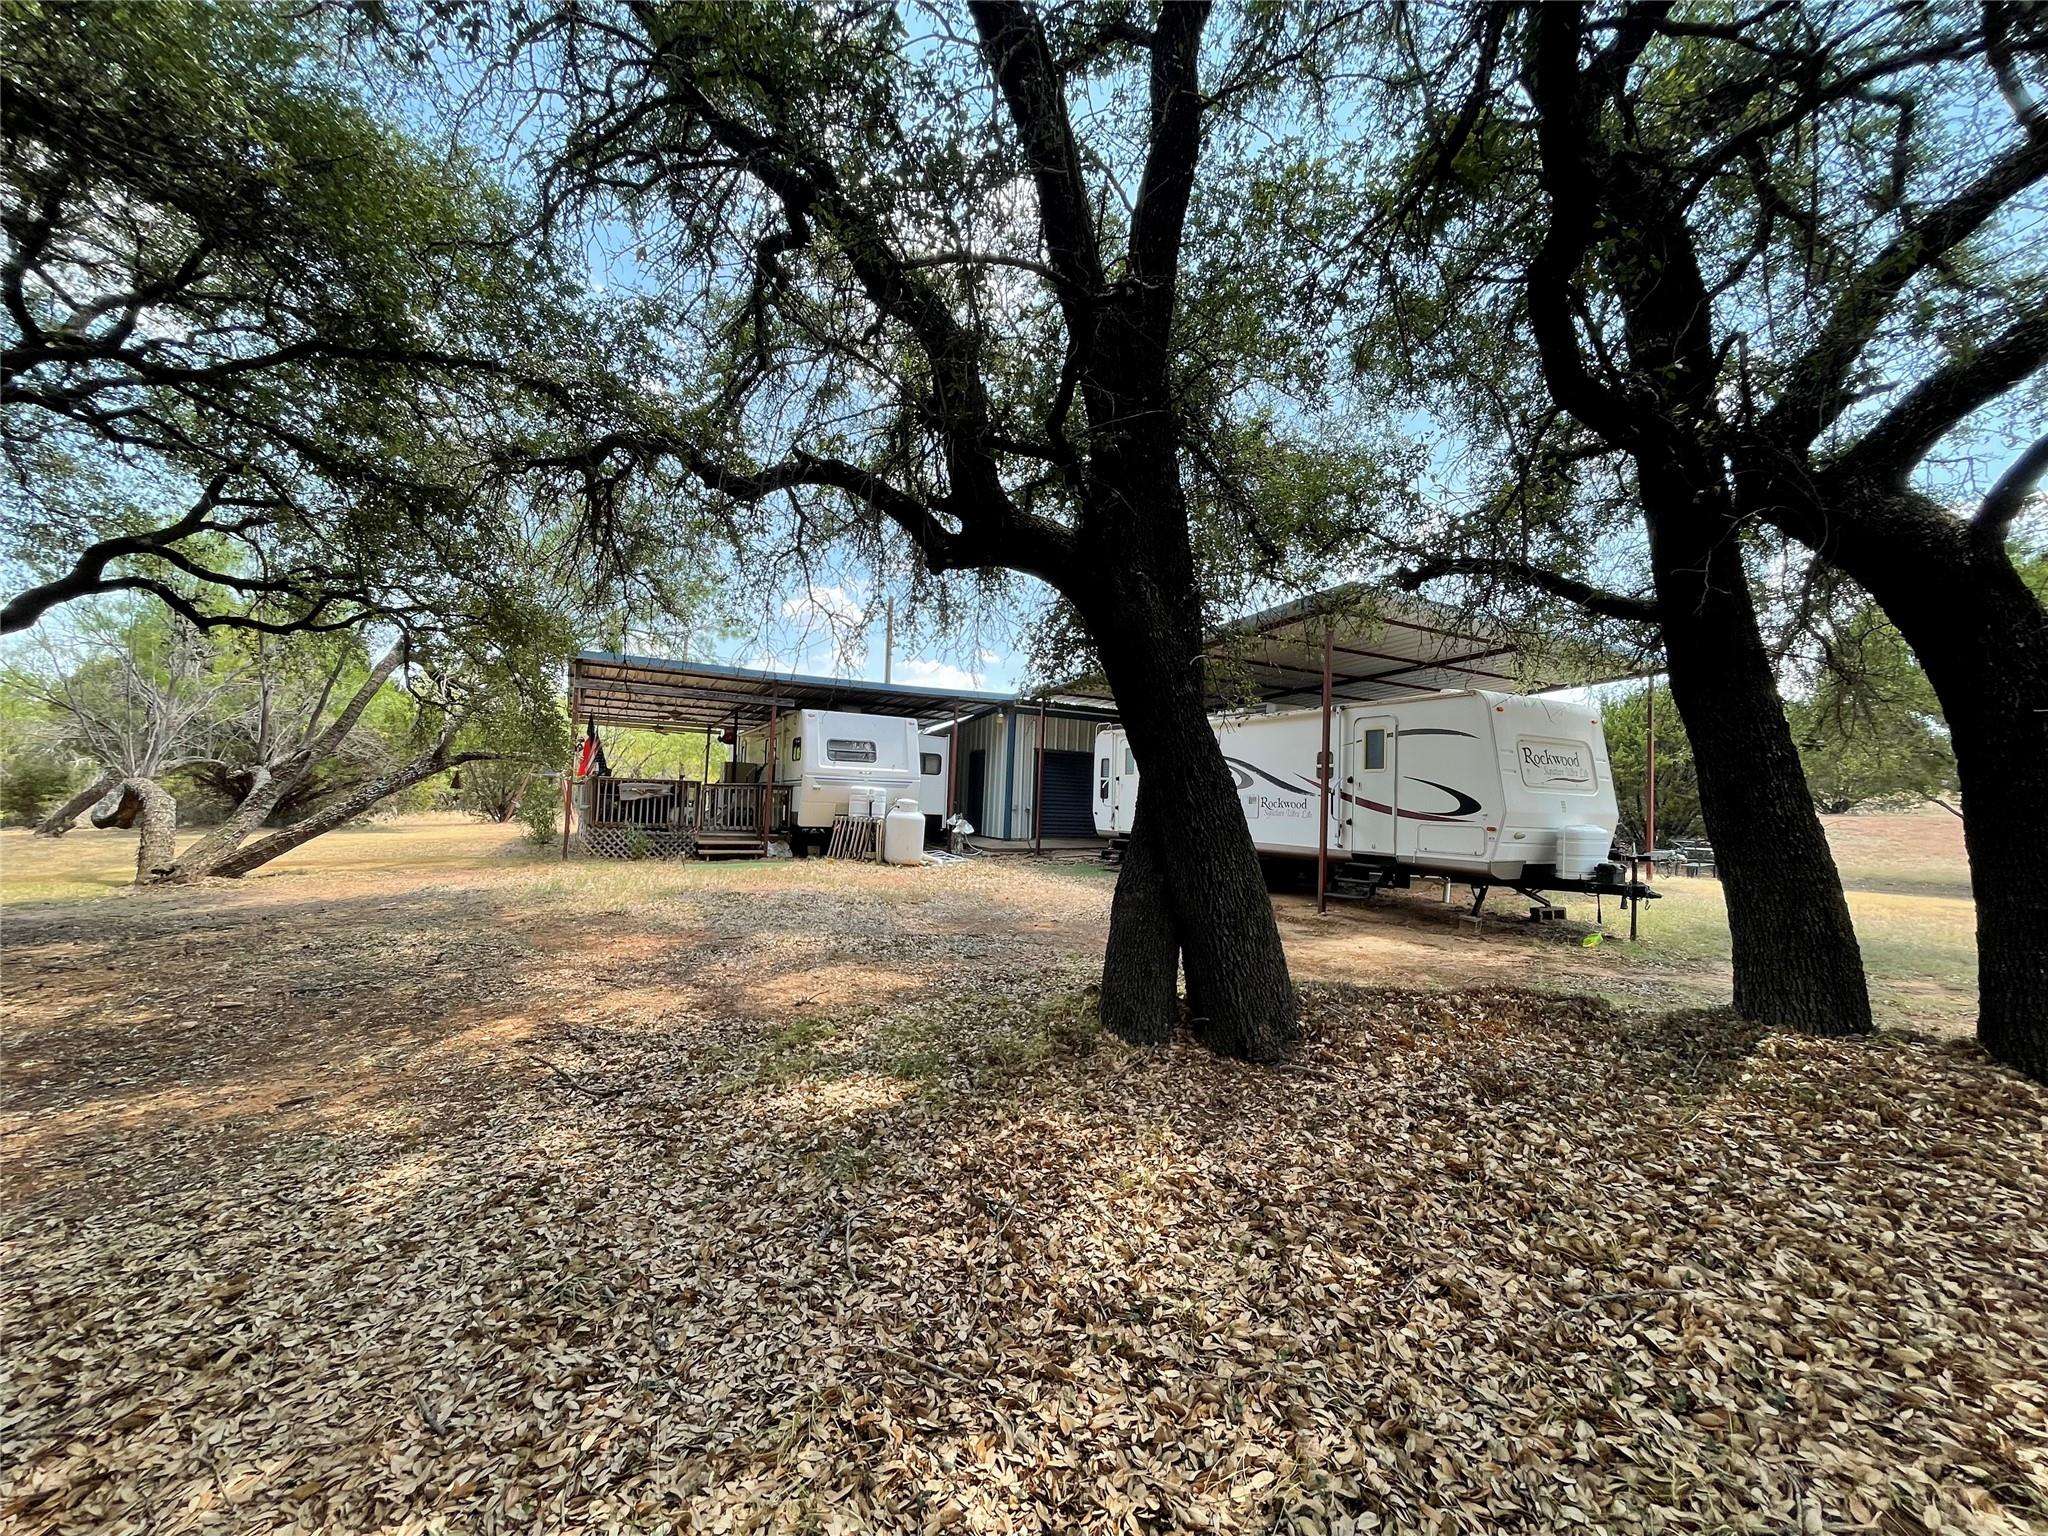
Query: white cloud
x=921 y=672
x=835 y=604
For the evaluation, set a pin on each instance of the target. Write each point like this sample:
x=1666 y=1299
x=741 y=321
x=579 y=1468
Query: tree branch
x=1014 y=46
x=1493 y=23
x=2028 y=109
x=983 y=259
x=1595 y=600
x=1817 y=389
x=1905 y=434
x=1010 y=537
x=1571 y=176
x=87 y=573
x=2008 y=496
x=1160 y=215
x=808 y=188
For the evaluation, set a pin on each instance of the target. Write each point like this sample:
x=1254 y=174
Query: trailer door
x=1123 y=782
x=1370 y=784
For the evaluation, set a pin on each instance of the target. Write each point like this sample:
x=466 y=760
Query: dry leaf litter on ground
x=766 y=1205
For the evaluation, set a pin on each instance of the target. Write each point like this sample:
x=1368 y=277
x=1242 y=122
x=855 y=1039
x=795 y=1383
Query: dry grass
x=1908 y=889
x=431 y=1185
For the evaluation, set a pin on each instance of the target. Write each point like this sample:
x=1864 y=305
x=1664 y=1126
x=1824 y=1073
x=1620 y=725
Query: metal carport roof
x=657 y=693
x=1384 y=645
x=1381 y=646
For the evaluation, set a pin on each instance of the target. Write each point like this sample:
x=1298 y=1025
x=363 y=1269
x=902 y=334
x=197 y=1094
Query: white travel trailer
x=825 y=755
x=1490 y=788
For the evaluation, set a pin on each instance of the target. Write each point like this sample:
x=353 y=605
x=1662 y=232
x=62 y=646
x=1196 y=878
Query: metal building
x=997 y=768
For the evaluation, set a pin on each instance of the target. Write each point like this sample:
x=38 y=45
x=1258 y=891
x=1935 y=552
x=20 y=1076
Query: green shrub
x=32 y=783
x=540 y=808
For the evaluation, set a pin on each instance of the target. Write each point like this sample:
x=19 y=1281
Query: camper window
x=930 y=764
x=1375 y=751
x=840 y=750
x=796 y=749
x=1130 y=762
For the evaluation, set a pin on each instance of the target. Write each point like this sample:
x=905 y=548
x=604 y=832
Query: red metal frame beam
x=1323 y=801
x=568 y=799
x=952 y=771
x=1650 y=777
x=768 y=779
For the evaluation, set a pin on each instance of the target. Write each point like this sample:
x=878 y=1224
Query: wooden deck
x=678 y=818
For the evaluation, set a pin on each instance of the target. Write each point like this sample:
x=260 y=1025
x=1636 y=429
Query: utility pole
x=889 y=641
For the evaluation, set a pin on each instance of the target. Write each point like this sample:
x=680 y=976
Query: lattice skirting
x=637 y=843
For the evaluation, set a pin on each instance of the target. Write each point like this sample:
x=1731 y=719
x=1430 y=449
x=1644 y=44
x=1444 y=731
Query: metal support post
x=1323 y=778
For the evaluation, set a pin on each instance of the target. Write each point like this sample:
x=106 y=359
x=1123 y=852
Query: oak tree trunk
x=1982 y=638
x=62 y=819
x=508 y=807
x=1797 y=962
x=1197 y=848
x=270 y=783
x=258 y=801
x=1141 y=967
x=343 y=808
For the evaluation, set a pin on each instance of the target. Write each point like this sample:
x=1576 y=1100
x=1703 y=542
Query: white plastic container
x=903 y=834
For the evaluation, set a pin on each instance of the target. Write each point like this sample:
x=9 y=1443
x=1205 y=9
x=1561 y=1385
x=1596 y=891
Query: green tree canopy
x=273 y=359
x=1625 y=716
x=1871 y=731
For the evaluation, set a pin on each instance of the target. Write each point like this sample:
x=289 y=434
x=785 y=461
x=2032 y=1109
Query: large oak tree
x=933 y=281
x=1593 y=384
x=1790 y=269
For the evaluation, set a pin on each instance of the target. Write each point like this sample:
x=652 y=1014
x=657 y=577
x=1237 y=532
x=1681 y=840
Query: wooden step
x=728 y=845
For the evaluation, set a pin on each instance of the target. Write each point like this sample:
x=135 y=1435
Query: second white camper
x=1487 y=787
x=824 y=755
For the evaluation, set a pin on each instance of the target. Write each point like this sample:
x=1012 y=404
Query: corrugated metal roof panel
x=657 y=692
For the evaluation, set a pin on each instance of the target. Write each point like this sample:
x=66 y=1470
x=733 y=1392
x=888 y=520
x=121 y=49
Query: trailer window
x=930 y=765
x=796 y=749
x=1375 y=751
x=1130 y=762
x=839 y=749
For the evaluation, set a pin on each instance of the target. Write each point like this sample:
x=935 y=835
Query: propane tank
x=903 y=834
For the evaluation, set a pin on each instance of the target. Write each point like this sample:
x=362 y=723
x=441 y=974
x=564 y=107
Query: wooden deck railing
x=683 y=805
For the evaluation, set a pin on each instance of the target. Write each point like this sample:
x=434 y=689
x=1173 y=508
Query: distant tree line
x=284 y=737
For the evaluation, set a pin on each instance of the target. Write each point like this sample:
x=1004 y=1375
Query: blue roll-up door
x=1068 y=780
